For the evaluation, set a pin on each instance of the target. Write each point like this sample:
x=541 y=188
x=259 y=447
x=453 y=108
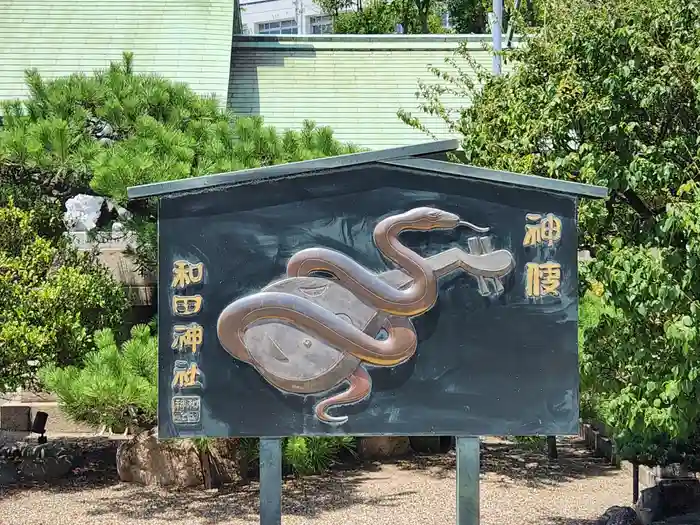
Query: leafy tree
x=104 y=132
x=379 y=17
x=472 y=16
x=607 y=94
x=334 y=8
x=52 y=299
x=383 y=16
x=469 y=16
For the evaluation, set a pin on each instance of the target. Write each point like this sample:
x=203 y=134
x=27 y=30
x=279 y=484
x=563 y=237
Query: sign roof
x=412 y=157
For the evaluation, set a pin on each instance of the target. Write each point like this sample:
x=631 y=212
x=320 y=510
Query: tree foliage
x=52 y=299
x=472 y=16
x=115 y=387
x=104 y=132
x=469 y=16
x=607 y=93
x=383 y=16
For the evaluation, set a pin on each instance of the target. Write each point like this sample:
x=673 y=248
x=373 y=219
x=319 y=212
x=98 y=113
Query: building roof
x=412 y=157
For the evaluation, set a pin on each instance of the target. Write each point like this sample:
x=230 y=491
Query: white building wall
x=180 y=40
x=355 y=84
x=256 y=13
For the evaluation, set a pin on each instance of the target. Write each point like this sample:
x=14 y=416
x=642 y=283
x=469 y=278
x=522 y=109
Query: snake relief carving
x=308 y=335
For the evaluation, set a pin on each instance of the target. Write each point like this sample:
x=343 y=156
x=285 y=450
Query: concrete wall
x=352 y=83
x=184 y=40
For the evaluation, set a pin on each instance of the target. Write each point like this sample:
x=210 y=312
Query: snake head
x=433 y=219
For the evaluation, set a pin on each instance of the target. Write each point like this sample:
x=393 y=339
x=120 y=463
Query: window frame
x=281 y=27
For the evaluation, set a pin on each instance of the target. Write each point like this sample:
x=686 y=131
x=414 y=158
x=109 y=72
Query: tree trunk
x=552 y=447
x=207 y=473
x=243 y=466
x=530 y=12
x=423 y=14
x=423 y=7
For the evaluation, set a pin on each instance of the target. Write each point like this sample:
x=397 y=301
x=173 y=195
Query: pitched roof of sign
x=411 y=157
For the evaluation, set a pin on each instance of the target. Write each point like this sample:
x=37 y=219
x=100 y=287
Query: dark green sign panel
x=370 y=294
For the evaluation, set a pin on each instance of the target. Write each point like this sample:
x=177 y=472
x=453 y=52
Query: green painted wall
x=184 y=40
x=353 y=83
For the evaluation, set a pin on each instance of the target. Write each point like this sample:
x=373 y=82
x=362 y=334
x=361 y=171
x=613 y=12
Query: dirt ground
x=518 y=487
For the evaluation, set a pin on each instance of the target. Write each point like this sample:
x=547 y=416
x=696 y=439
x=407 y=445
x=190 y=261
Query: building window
x=321 y=25
x=283 y=27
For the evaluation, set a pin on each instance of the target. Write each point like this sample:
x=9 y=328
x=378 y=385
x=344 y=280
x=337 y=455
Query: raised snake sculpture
x=307 y=335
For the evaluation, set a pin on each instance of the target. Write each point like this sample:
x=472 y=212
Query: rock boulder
x=224 y=460
x=620 y=516
x=383 y=447
x=8 y=472
x=146 y=460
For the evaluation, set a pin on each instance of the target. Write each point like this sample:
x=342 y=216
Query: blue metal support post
x=468 y=457
x=270 y=481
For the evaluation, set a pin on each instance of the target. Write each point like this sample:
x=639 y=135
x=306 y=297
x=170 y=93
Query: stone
x=650 y=504
x=680 y=496
x=8 y=472
x=383 y=447
x=425 y=444
x=670 y=498
x=172 y=463
x=15 y=417
x=83 y=212
x=224 y=460
x=620 y=516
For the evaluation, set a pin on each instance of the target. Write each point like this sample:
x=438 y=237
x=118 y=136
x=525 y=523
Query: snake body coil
x=352 y=344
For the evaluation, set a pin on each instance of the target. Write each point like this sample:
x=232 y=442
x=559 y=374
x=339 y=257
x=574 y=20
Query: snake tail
x=360 y=387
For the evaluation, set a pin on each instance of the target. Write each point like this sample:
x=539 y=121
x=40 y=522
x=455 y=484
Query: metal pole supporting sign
x=270 y=481
x=468 y=458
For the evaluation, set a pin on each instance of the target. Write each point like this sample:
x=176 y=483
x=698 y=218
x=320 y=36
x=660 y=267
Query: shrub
x=304 y=455
x=115 y=387
x=52 y=299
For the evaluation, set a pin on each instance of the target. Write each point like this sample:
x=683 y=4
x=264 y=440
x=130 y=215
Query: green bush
x=52 y=299
x=115 y=387
x=104 y=132
x=305 y=455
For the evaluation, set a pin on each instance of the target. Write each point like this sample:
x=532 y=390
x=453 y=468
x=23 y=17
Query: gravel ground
x=518 y=487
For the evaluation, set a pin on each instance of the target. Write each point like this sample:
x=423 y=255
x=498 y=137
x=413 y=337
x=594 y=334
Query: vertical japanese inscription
x=543 y=279
x=544 y=232
x=187 y=337
x=186 y=342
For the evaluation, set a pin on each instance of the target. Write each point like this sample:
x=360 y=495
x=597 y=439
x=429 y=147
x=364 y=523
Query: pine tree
x=116 y=387
x=104 y=132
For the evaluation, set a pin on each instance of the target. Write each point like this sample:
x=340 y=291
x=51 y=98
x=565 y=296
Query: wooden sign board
x=379 y=293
